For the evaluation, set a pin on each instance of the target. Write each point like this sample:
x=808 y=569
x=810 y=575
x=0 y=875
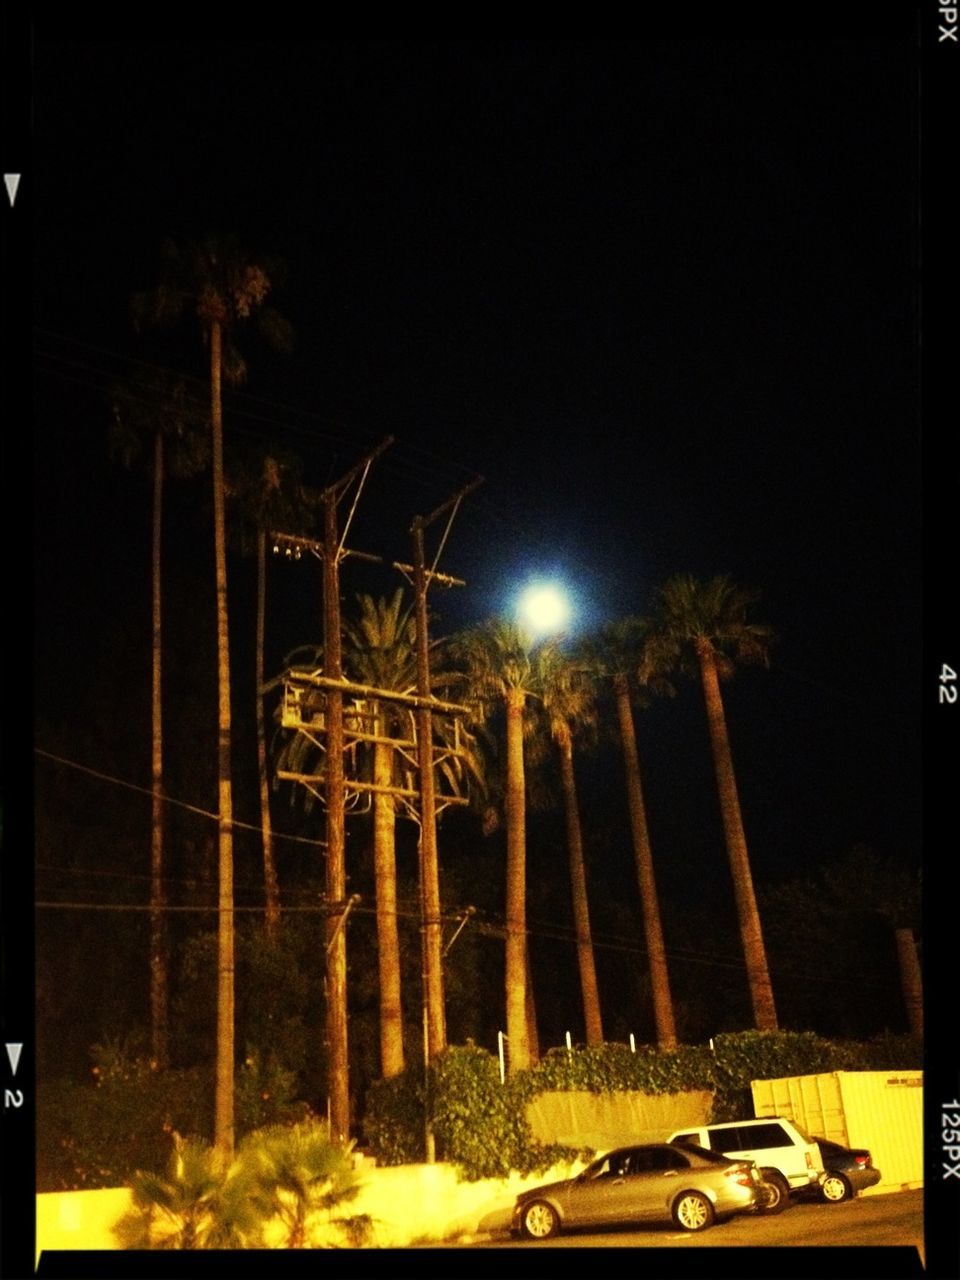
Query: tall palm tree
x=223 y=286
x=570 y=708
x=380 y=651
x=161 y=413
x=702 y=627
x=618 y=649
x=504 y=667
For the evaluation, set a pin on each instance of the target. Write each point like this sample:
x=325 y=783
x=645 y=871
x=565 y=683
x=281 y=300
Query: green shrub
x=96 y=1135
x=395 y=1118
x=99 y=1134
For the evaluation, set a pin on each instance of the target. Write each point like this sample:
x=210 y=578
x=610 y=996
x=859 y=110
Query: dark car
x=659 y=1182
x=847 y=1170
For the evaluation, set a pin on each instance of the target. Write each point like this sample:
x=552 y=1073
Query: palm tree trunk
x=516 y=946
x=761 y=991
x=578 y=885
x=911 y=981
x=388 y=943
x=158 y=930
x=271 y=885
x=530 y=1006
x=224 y=1104
x=650 y=903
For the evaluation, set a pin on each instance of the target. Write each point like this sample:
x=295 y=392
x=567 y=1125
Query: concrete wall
x=576 y=1118
x=408 y=1204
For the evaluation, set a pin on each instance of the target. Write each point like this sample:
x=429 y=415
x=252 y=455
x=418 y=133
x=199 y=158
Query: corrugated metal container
x=880 y=1110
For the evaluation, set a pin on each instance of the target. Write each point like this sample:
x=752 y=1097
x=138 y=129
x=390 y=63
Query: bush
x=99 y=1134
x=96 y=1135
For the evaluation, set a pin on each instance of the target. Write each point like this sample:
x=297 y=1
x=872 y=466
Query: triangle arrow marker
x=13 y=1053
x=12 y=181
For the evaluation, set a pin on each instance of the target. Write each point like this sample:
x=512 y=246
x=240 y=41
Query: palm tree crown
x=694 y=615
x=223 y=285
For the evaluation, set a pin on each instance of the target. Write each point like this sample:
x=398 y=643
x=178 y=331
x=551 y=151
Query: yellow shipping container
x=879 y=1110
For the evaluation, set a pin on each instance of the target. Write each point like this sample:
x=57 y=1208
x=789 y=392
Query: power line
x=167 y=799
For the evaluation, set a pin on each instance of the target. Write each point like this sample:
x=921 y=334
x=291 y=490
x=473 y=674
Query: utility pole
x=436 y=1032
x=331 y=784
x=338 y=1072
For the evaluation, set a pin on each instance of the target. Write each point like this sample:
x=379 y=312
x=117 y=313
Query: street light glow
x=544 y=607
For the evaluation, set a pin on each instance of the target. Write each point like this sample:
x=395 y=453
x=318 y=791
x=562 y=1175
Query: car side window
x=753 y=1137
x=727 y=1139
x=769 y=1135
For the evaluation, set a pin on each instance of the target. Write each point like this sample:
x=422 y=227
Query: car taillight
x=809 y=1159
x=741 y=1173
x=863 y=1161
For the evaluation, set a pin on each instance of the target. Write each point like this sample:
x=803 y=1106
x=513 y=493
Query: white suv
x=787 y=1159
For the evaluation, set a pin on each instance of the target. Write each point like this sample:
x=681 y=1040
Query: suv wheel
x=776 y=1191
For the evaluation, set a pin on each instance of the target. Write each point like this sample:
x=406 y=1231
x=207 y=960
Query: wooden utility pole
x=338 y=1071
x=436 y=1031
x=336 y=950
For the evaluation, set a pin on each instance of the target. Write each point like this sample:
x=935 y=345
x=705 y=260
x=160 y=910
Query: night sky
x=663 y=295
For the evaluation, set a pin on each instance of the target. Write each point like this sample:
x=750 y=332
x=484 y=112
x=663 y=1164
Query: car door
x=632 y=1185
x=594 y=1197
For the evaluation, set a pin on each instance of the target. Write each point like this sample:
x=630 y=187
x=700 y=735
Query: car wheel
x=835 y=1188
x=692 y=1211
x=539 y=1221
x=776 y=1192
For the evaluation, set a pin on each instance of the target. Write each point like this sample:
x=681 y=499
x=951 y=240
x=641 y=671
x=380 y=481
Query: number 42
x=948 y=687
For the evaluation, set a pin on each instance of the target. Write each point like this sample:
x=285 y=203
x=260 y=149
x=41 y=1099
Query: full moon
x=544 y=607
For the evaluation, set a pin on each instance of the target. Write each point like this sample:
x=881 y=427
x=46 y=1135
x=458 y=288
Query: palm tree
x=284 y=1180
x=223 y=286
x=159 y=412
x=295 y=1173
x=570 y=708
x=380 y=651
x=702 y=626
x=618 y=650
x=504 y=667
x=201 y=1203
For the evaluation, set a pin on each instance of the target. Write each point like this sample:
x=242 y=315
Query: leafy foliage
x=96 y=1134
x=395 y=1116
x=99 y=1134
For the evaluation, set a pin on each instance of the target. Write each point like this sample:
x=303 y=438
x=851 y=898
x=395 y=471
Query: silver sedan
x=659 y=1182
